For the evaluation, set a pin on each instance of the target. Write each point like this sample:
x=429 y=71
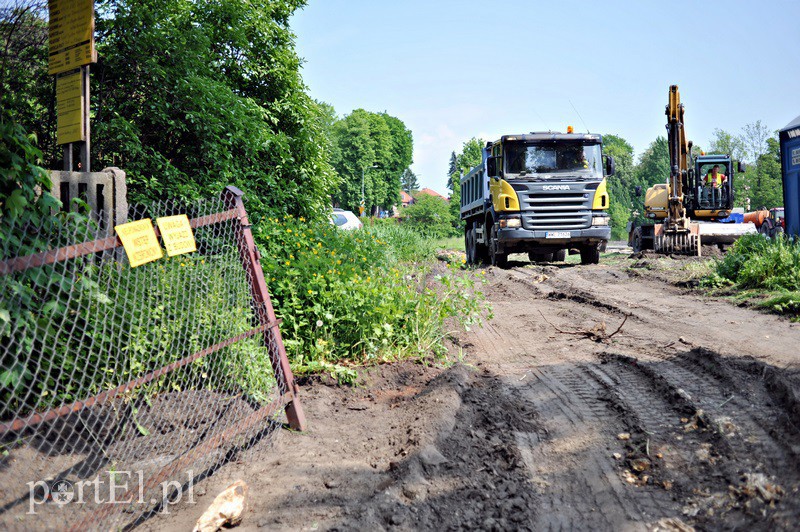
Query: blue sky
x=452 y=70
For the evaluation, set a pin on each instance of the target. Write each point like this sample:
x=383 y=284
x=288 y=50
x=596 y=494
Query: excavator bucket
x=677 y=242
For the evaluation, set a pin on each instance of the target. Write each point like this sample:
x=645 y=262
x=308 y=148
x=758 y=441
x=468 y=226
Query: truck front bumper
x=519 y=239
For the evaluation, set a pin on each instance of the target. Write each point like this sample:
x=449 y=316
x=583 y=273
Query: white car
x=345 y=219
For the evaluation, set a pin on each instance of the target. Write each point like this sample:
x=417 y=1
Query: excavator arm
x=677 y=234
x=678 y=160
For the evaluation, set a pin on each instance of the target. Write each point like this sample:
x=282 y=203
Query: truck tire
x=535 y=256
x=481 y=250
x=590 y=254
x=560 y=255
x=496 y=257
x=469 y=246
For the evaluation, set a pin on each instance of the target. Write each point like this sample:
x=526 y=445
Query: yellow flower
x=302 y=219
x=287 y=263
x=288 y=230
x=310 y=292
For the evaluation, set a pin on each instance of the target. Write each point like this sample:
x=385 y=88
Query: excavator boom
x=677 y=234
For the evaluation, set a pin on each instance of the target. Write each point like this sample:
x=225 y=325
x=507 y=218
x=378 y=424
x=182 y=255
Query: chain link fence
x=122 y=386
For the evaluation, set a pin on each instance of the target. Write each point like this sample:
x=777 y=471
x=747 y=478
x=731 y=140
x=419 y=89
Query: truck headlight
x=511 y=222
x=600 y=220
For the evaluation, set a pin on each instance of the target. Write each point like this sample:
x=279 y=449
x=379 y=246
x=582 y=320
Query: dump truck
x=542 y=193
x=683 y=214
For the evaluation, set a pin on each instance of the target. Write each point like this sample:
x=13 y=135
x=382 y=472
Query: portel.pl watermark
x=121 y=487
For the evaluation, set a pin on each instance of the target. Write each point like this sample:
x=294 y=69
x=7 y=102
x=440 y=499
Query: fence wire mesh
x=121 y=385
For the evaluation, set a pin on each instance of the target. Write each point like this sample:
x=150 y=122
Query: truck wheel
x=534 y=256
x=481 y=250
x=560 y=255
x=590 y=254
x=469 y=245
x=496 y=257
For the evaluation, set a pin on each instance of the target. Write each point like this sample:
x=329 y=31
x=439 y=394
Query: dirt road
x=599 y=397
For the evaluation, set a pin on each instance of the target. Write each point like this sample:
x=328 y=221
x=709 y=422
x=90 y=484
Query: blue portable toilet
x=790 y=168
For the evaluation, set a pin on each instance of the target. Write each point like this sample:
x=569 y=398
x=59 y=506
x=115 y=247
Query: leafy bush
x=27 y=226
x=758 y=262
x=429 y=216
x=349 y=298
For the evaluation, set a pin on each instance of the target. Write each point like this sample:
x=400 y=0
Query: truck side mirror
x=610 y=165
x=491 y=166
x=741 y=167
x=638 y=191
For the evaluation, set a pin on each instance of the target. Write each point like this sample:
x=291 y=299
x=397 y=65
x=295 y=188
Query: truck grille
x=554 y=209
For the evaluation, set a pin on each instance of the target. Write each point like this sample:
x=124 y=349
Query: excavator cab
x=710 y=190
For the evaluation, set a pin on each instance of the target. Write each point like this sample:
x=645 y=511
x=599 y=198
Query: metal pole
x=67 y=148
x=85 y=147
x=363 y=202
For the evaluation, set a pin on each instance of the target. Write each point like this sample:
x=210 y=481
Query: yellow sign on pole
x=177 y=234
x=140 y=242
x=71 y=32
x=69 y=100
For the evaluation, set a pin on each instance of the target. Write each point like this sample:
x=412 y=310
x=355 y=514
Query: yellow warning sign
x=69 y=100
x=71 y=34
x=177 y=234
x=140 y=242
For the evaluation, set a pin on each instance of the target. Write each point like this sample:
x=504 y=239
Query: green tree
x=429 y=215
x=375 y=148
x=762 y=183
x=452 y=170
x=471 y=156
x=400 y=158
x=28 y=89
x=189 y=96
x=620 y=185
x=409 y=181
x=725 y=143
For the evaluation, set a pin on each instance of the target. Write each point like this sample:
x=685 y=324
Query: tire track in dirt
x=570 y=457
x=698 y=429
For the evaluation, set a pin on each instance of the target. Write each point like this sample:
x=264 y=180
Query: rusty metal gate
x=122 y=386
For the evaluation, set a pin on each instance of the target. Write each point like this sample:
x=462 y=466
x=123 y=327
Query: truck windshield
x=552 y=159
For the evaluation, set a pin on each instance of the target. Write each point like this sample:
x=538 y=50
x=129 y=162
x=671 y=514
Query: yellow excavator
x=689 y=206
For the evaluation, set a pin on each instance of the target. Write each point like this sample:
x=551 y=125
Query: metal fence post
x=266 y=314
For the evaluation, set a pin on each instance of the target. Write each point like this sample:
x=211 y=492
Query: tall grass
x=758 y=262
x=359 y=297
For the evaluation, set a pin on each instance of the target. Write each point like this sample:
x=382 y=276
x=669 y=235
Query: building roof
x=405 y=197
x=431 y=192
x=794 y=123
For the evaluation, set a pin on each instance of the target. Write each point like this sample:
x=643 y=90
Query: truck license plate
x=558 y=234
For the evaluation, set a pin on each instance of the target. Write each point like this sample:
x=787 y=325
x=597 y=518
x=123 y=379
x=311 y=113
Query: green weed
x=361 y=297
